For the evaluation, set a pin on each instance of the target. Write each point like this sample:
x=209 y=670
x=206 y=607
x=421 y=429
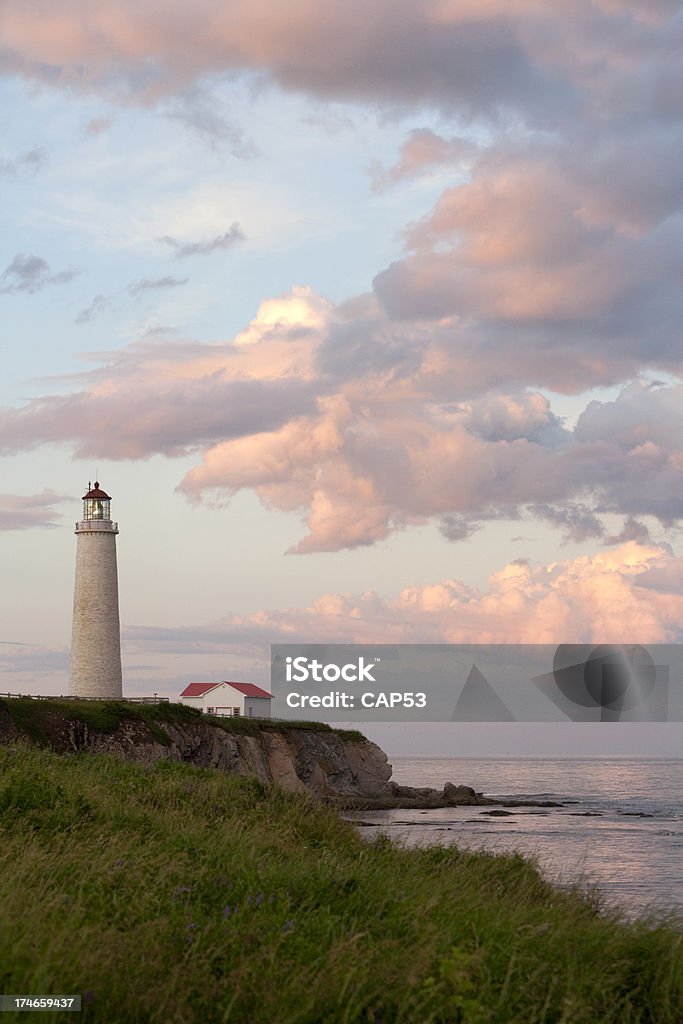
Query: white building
x=95 y=637
x=228 y=699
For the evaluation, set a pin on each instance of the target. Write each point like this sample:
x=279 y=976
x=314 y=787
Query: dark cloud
x=31 y=274
x=367 y=344
x=225 y=241
x=201 y=114
x=632 y=529
x=101 y=303
x=576 y=521
x=33 y=160
x=664 y=579
x=156 y=284
x=454 y=527
x=98 y=305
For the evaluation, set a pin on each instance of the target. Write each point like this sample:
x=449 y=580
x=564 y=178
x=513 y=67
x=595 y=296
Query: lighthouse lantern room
x=96 y=504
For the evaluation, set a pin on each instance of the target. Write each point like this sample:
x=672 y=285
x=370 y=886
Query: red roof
x=96 y=492
x=197 y=689
x=248 y=689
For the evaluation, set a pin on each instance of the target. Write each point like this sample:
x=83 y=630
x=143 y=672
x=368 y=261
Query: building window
x=210 y=710
x=235 y=712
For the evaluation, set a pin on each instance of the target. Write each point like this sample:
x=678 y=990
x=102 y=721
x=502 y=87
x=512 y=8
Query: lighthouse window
x=96 y=508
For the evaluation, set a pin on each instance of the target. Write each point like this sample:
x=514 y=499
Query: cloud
x=200 y=113
x=664 y=578
x=23 y=512
x=31 y=274
x=33 y=160
x=639 y=435
x=97 y=125
x=98 y=305
x=101 y=303
x=632 y=592
x=554 y=251
x=33 y=669
x=632 y=529
x=423 y=150
x=553 y=61
x=577 y=522
x=556 y=254
x=379 y=455
x=363 y=428
x=457 y=527
x=225 y=241
x=156 y=284
x=175 y=419
x=147 y=51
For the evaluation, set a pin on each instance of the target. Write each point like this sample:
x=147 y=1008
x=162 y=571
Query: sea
x=619 y=829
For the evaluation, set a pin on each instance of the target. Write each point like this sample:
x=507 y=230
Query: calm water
x=621 y=827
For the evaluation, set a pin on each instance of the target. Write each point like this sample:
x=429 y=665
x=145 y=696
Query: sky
x=367 y=317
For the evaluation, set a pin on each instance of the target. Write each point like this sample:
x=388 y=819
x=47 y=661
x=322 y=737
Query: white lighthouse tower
x=95 y=637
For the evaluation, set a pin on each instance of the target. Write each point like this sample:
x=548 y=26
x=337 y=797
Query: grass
x=176 y=894
x=37 y=719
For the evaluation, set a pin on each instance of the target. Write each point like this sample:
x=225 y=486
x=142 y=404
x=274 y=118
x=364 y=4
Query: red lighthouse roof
x=96 y=492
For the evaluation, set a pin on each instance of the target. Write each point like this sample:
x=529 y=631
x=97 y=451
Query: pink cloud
x=633 y=593
x=152 y=48
x=364 y=428
x=422 y=150
x=23 y=512
x=436 y=52
x=532 y=239
x=367 y=463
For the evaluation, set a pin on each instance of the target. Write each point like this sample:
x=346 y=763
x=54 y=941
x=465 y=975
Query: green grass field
x=176 y=894
x=36 y=719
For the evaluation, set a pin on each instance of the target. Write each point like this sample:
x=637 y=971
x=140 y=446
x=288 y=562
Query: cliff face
x=325 y=762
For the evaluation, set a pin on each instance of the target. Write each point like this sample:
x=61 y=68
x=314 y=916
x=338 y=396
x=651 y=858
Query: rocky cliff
x=339 y=765
x=328 y=762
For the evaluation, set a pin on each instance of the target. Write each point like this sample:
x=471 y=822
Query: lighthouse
x=95 y=636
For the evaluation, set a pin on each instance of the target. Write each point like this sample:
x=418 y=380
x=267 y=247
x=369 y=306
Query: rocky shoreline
x=395 y=796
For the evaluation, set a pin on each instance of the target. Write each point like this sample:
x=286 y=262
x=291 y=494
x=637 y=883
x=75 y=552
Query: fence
x=156 y=699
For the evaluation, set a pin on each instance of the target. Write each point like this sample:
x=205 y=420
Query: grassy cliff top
x=174 y=894
x=36 y=718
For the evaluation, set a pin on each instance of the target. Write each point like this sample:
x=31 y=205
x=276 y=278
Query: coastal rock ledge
x=324 y=761
x=340 y=766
